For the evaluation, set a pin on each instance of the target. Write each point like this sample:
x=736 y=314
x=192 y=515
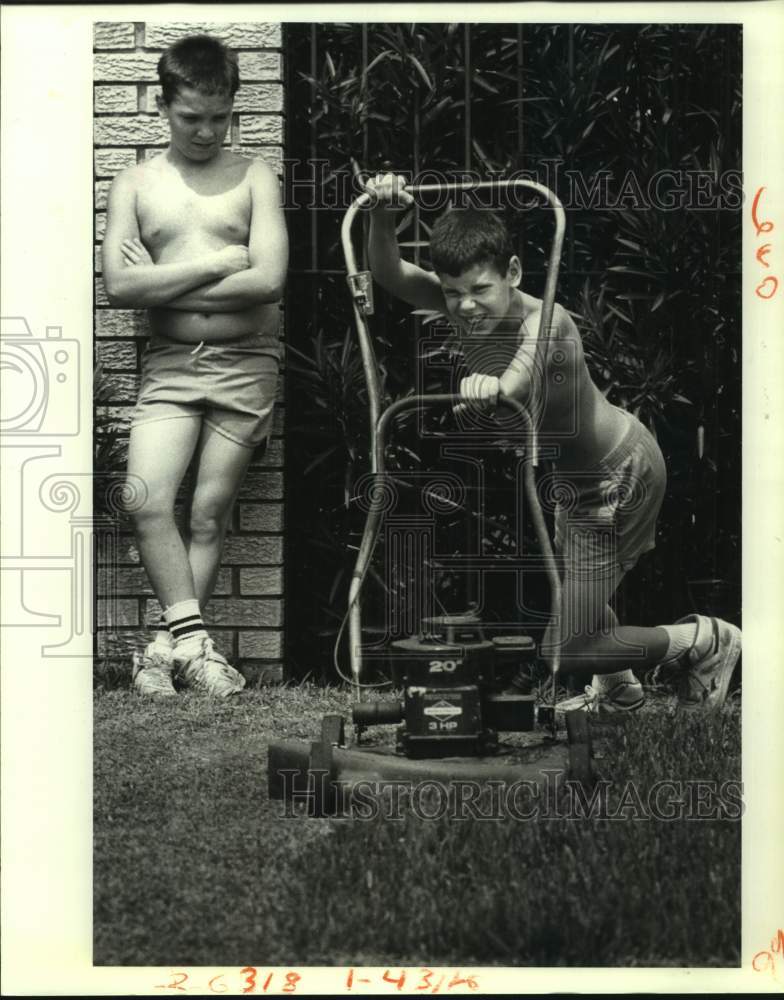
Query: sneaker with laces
x=207 y=671
x=624 y=697
x=152 y=672
x=706 y=668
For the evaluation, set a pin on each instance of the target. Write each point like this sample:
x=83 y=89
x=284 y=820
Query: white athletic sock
x=606 y=682
x=186 y=625
x=163 y=636
x=681 y=638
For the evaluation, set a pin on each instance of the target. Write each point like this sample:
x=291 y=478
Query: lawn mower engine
x=458 y=691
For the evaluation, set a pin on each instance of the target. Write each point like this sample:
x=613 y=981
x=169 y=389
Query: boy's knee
x=152 y=511
x=207 y=522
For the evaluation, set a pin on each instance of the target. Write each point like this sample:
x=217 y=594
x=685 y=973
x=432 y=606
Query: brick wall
x=246 y=614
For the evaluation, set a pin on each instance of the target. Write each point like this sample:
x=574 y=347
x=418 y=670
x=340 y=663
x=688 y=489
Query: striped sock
x=185 y=623
x=163 y=636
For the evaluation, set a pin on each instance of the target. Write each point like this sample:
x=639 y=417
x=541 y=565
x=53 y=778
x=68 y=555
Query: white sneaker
x=205 y=670
x=624 y=697
x=152 y=672
x=706 y=668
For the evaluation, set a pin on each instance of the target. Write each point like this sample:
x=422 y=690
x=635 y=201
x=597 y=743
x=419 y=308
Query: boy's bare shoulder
x=133 y=177
x=255 y=166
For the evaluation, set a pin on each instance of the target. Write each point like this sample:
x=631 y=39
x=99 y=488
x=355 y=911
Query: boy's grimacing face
x=198 y=122
x=481 y=297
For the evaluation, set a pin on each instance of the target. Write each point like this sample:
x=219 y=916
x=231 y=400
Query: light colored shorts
x=230 y=386
x=608 y=515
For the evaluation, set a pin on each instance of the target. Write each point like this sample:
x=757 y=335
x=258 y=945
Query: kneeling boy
x=608 y=465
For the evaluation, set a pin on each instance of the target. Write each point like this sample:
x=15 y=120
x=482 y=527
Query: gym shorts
x=231 y=385
x=605 y=517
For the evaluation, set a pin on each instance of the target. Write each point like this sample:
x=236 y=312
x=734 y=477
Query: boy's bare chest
x=169 y=212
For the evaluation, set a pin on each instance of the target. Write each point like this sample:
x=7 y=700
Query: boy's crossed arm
x=225 y=280
x=264 y=279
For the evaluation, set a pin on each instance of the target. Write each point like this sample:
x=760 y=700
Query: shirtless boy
x=607 y=460
x=197 y=236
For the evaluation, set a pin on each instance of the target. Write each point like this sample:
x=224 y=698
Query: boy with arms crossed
x=607 y=460
x=197 y=236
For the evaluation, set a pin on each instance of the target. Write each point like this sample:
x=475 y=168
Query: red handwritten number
x=761 y=227
x=776 y=948
x=250 y=978
x=427 y=975
x=292 y=978
x=769 y=964
x=177 y=979
x=767 y=283
x=267 y=981
x=458 y=980
x=396 y=982
x=214 y=989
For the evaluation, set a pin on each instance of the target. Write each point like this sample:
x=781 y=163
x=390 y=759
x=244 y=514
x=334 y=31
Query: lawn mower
x=458 y=684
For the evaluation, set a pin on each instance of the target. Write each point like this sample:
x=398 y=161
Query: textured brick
x=114 y=35
x=262 y=486
x=262 y=129
x=261 y=645
x=260 y=66
x=122 y=67
x=116 y=100
x=121 y=415
x=126 y=550
x=141 y=67
x=238 y=35
x=122 y=323
x=272 y=457
x=245 y=550
x=118 y=612
x=133 y=580
x=97 y=262
x=259 y=97
x=272 y=155
x=101 y=194
x=101 y=298
x=261 y=580
x=100 y=225
x=126 y=387
x=116 y=355
x=261 y=516
x=133 y=130
x=109 y=162
x=244 y=611
x=119 y=642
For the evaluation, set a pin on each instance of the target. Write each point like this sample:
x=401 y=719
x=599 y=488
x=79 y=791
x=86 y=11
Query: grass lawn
x=194 y=866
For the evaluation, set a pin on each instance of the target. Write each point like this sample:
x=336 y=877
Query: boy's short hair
x=463 y=237
x=201 y=62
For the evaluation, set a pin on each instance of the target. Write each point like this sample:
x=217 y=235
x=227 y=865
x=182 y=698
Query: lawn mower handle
x=360 y=287
x=358 y=280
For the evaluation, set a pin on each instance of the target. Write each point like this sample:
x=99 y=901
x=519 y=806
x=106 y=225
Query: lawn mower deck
x=458 y=697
